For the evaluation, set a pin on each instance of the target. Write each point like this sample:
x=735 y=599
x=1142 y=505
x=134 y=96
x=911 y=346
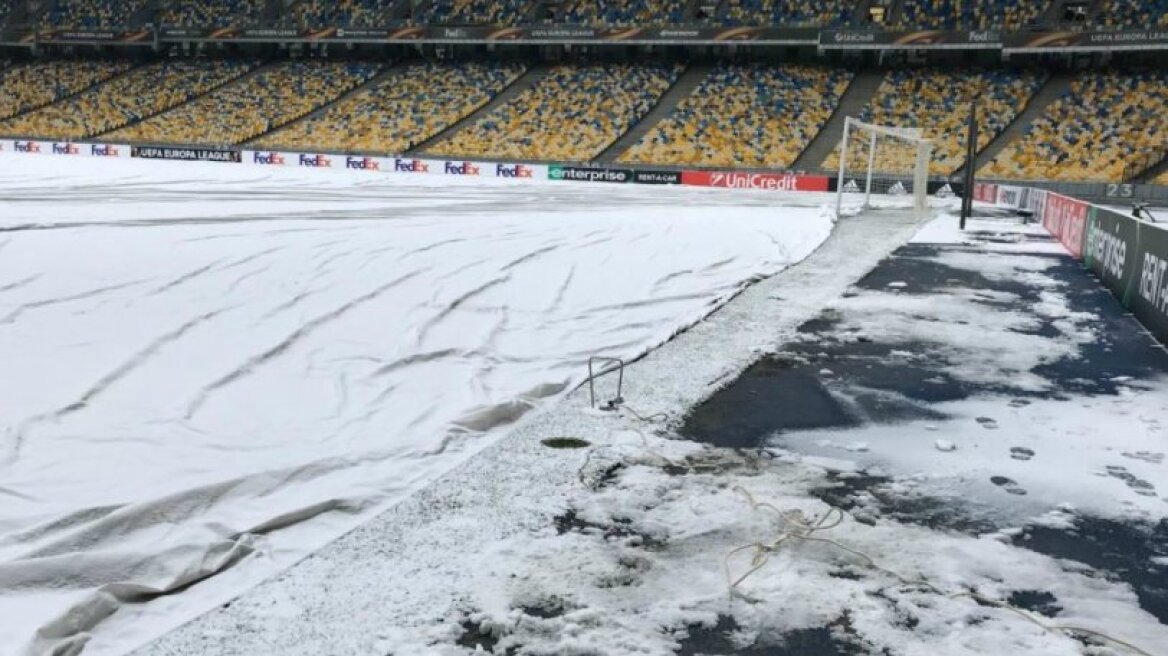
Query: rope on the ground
x=798 y=526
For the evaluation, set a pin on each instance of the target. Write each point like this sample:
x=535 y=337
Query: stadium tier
x=214 y=13
x=1133 y=14
x=782 y=12
x=493 y=12
x=29 y=86
x=400 y=110
x=622 y=13
x=745 y=116
x=138 y=94
x=937 y=103
x=573 y=113
x=91 y=13
x=355 y=13
x=1104 y=124
x=245 y=109
x=968 y=14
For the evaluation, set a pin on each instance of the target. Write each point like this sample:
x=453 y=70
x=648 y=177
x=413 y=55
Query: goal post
x=877 y=159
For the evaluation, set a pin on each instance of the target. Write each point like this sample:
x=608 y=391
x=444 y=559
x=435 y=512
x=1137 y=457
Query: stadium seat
x=622 y=13
x=91 y=13
x=138 y=94
x=745 y=116
x=572 y=114
x=937 y=102
x=967 y=14
x=400 y=110
x=332 y=13
x=491 y=12
x=214 y=13
x=29 y=86
x=1106 y=122
x=1132 y=14
x=257 y=103
x=789 y=13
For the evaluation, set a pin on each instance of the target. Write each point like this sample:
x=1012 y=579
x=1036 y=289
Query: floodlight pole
x=970 y=164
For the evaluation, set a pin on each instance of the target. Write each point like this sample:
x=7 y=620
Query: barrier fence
x=1128 y=255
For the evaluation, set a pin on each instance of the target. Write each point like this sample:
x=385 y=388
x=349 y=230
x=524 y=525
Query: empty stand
x=140 y=93
x=937 y=102
x=685 y=87
x=521 y=85
x=31 y=86
x=493 y=12
x=621 y=13
x=1054 y=88
x=214 y=13
x=967 y=14
x=1095 y=132
x=397 y=111
x=753 y=116
x=790 y=13
x=91 y=13
x=331 y=13
x=1132 y=14
x=858 y=94
x=251 y=106
x=572 y=114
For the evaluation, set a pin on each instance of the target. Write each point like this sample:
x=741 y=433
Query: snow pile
x=205 y=370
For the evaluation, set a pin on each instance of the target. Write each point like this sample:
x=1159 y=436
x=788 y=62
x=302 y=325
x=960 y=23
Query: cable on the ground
x=798 y=526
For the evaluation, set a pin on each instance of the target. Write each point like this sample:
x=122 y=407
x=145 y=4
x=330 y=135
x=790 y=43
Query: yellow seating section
x=937 y=103
x=492 y=12
x=28 y=86
x=827 y=13
x=1161 y=179
x=745 y=116
x=572 y=114
x=214 y=13
x=333 y=13
x=968 y=14
x=624 y=13
x=398 y=111
x=1132 y=14
x=91 y=13
x=251 y=106
x=131 y=97
x=1107 y=121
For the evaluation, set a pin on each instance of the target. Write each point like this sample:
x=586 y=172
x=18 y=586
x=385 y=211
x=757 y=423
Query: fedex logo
x=410 y=166
x=103 y=151
x=26 y=147
x=315 y=161
x=362 y=163
x=465 y=168
x=270 y=159
x=517 y=171
x=65 y=149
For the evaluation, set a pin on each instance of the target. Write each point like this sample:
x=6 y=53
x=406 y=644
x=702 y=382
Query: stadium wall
x=1128 y=255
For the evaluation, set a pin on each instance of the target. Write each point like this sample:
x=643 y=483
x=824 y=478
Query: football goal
x=888 y=162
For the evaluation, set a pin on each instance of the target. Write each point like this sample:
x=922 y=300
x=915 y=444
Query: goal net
x=883 y=166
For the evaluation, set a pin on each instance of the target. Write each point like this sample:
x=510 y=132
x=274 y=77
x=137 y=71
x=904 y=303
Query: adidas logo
x=897 y=190
x=851 y=187
x=945 y=192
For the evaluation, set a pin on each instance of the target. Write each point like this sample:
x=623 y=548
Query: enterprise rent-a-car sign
x=579 y=174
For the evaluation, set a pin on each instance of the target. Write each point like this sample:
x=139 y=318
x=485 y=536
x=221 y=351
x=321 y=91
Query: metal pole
x=970 y=165
x=871 y=164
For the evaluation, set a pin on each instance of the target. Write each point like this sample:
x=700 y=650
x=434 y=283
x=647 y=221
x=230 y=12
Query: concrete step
x=858 y=94
x=518 y=86
x=683 y=88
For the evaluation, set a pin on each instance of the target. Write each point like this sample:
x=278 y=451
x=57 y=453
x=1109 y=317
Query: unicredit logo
x=26 y=147
x=766 y=181
x=270 y=159
x=103 y=151
x=465 y=168
x=65 y=149
x=410 y=166
x=315 y=161
x=517 y=171
x=362 y=163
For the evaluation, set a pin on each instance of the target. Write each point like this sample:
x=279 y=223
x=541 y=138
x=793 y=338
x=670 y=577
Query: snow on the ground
x=550 y=551
x=212 y=374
